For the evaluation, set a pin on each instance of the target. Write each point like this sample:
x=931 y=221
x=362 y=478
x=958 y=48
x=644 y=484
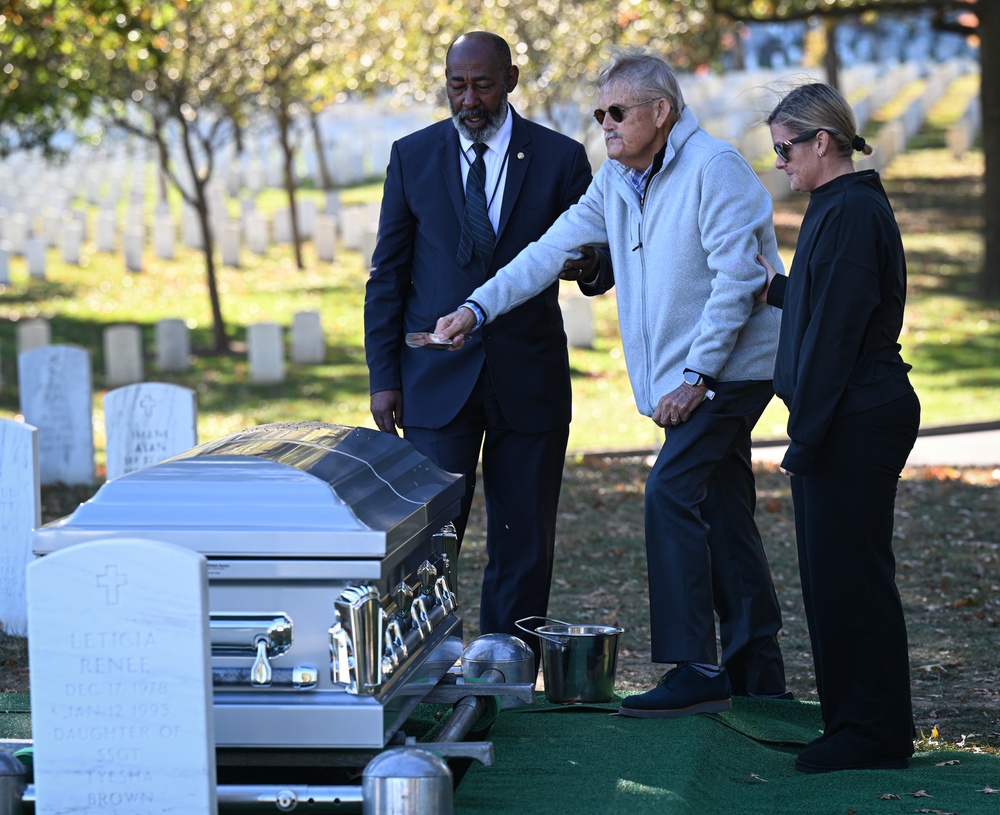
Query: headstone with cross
x=121 y=693
x=148 y=423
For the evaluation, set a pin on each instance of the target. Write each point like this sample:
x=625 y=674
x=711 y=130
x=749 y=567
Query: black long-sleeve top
x=842 y=306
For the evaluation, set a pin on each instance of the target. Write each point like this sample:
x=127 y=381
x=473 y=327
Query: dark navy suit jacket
x=416 y=278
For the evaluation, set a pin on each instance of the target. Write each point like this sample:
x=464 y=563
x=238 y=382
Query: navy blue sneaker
x=682 y=691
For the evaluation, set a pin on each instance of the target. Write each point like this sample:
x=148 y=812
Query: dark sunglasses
x=618 y=112
x=781 y=148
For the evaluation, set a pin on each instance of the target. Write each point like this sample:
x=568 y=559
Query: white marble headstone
x=33 y=334
x=191 y=229
x=20 y=514
x=308 y=343
x=578 y=320
x=147 y=423
x=352 y=220
x=122 y=355
x=121 y=691
x=173 y=345
x=258 y=232
x=325 y=238
x=283 y=225
x=164 y=238
x=231 y=244
x=35 y=252
x=106 y=225
x=71 y=241
x=266 y=352
x=56 y=397
x=305 y=212
x=134 y=239
x=17 y=232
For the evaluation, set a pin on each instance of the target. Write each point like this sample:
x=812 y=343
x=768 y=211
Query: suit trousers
x=703 y=549
x=522 y=479
x=844 y=511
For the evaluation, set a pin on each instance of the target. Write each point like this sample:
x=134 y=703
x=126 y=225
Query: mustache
x=473 y=113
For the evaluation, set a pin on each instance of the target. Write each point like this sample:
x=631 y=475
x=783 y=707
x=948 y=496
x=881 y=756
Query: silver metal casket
x=331 y=586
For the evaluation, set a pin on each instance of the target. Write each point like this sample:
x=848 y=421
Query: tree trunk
x=831 y=61
x=325 y=182
x=284 y=128
x=989 y=98
x=200 y=203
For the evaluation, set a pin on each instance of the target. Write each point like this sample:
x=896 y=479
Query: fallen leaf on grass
x=947 y=763
x=988 y=791
x=753 y=777
x=920 y=794
x=887 y=796
x=936 y=812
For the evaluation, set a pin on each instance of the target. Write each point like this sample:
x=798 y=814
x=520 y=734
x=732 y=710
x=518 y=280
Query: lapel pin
x=520 y=155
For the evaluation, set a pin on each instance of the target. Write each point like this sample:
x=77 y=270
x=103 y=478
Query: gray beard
x=494 y=121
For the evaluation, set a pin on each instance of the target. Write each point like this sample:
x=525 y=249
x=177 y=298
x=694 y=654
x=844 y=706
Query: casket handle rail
x=363 y=627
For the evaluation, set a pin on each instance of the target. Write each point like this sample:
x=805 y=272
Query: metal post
x=11 y=784
x=407 y=781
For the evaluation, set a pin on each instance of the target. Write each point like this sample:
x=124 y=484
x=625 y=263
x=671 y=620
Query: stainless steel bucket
x=578 y=661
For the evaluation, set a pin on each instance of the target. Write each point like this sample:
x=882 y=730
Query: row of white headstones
x=124 y=355
x=30 y=232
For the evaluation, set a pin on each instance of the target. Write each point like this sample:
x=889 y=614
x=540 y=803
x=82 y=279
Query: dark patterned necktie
x=476 y=228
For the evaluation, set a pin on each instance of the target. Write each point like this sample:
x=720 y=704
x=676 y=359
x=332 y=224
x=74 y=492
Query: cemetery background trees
x=185 y=105
x=980 y=18
x=52 y=59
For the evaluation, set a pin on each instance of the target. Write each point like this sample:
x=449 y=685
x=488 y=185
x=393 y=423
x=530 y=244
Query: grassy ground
x=947 y=540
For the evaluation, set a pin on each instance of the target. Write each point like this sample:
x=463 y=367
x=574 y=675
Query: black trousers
x=703 y=548
x=843 y=525
x=522 y=479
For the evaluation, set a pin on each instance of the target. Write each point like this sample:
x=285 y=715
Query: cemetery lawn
x=948 y=572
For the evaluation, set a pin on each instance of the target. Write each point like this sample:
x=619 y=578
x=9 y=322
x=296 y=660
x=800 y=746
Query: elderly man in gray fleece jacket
x=684 y=216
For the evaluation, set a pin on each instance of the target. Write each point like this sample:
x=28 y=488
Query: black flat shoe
x=682 y=691
x=825 y=756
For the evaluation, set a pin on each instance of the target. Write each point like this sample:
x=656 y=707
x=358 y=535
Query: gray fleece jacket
x=683 y=262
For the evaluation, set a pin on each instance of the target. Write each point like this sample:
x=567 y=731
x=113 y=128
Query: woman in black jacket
x=853 y=419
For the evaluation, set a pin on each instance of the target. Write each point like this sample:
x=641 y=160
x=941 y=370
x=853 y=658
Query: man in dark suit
x=509 y=392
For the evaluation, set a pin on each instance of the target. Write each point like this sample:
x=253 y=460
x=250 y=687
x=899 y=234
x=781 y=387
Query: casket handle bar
x=368 y=645
x=260 y=636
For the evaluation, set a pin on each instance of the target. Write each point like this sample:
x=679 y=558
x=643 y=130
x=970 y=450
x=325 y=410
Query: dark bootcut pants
x=703 y=548
x=522 y=479
x=843 y=523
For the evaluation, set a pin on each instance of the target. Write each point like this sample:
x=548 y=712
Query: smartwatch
x=694 y=379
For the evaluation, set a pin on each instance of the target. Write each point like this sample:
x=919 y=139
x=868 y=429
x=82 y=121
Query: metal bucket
x=578 y=661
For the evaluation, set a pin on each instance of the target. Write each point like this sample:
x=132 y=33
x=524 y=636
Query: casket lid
x=304 y=489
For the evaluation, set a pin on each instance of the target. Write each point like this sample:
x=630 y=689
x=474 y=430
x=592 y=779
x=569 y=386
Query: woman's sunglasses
x=617 y=112
x=781 y=148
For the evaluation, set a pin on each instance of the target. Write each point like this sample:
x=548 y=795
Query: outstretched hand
x=771 y=272
x=583 y=267
x=455 y=327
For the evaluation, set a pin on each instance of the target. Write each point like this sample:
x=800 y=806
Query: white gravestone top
x=57 y=398
x=20 y=515
x=148 y=423
x=173 y=345
x=121 y=693
x=123 y=363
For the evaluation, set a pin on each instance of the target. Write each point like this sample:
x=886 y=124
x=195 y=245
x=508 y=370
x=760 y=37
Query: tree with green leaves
x=186 y=106
x=52 y=53
x=970 y=18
